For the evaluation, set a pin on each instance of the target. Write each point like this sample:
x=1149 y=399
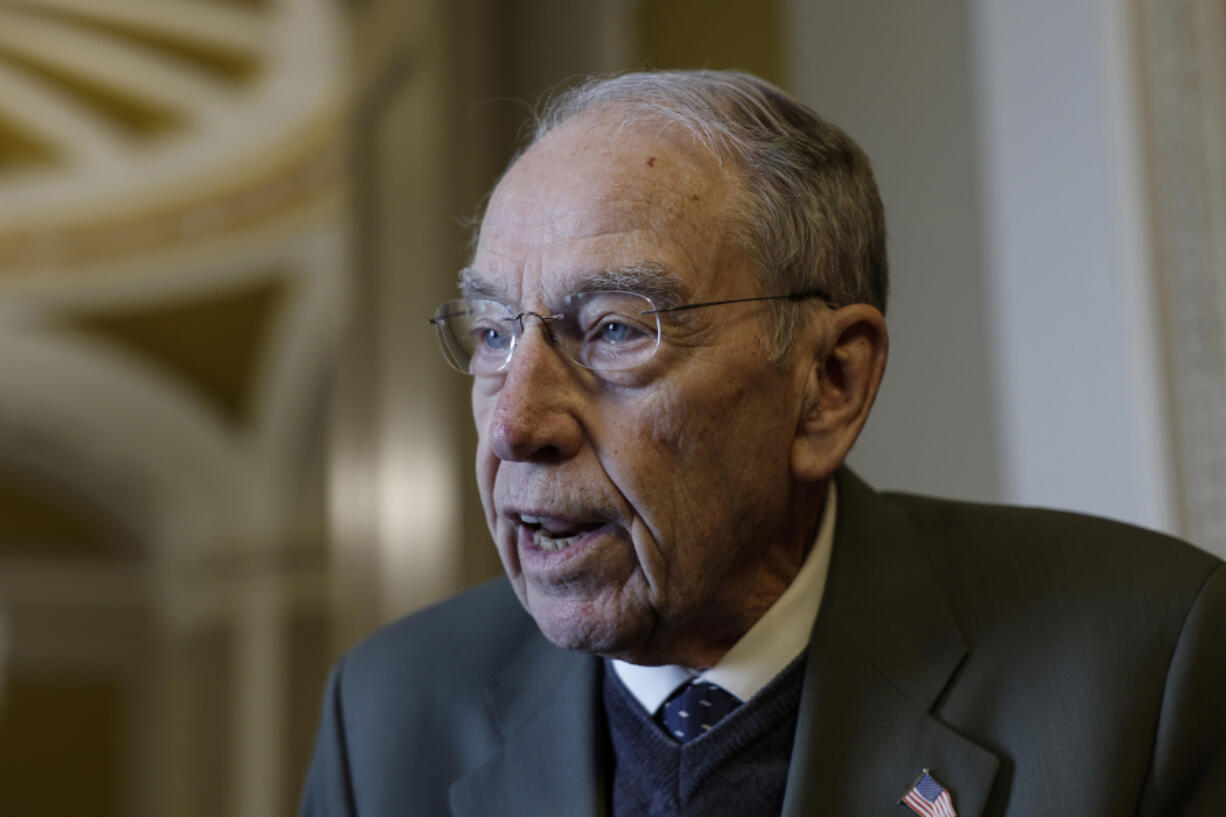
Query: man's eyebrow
x=664 y=287
x=471 y=286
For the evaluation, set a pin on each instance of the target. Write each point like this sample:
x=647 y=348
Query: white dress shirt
x=766 y=649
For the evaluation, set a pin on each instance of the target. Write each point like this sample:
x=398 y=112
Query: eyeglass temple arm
x=438 y=320
x=794 y=296
x=435 y=321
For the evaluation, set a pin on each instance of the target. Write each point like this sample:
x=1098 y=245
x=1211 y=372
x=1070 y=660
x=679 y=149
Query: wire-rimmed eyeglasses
x=605 y=331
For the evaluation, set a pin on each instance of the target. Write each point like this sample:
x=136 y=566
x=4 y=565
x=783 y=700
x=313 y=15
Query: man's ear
x=845 y=362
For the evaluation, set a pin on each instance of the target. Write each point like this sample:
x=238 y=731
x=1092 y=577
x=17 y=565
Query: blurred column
x=395 y=483
x=1183 y=83
x=4 y=644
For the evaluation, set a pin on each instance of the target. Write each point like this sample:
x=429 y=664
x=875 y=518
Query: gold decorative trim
x=281 y=186
x=135 y=116
x=237 y=322
x=19 y=147
x=229 y=64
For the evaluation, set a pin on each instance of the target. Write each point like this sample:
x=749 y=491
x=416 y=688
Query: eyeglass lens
x=603 y=331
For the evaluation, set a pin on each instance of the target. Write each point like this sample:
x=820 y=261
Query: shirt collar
x=766 y=649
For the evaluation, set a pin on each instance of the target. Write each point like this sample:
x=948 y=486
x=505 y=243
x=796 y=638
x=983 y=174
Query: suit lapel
x=884 y=647
x=547 y=707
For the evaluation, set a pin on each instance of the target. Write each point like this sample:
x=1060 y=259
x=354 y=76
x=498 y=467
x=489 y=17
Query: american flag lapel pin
x=928 y=798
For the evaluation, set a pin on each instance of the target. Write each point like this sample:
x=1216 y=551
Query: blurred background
x=229 y=446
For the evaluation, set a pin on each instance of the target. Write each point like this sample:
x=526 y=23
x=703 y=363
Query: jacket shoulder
x=981 y=532
x=407 y=710
x=1031 y=583
x=457 y=643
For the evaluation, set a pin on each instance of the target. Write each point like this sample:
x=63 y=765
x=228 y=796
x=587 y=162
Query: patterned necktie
x=695 y=708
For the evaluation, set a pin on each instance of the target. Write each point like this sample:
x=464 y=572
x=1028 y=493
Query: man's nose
x=534 y=416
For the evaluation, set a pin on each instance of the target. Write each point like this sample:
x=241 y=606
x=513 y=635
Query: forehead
x=592 y=200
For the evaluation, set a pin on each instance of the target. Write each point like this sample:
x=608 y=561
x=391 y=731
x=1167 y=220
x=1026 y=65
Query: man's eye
x=616 y=332
x=492 y=338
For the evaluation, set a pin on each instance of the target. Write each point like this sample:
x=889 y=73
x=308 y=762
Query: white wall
x=1071 y=301
x=1023 y=364
x=897 y=77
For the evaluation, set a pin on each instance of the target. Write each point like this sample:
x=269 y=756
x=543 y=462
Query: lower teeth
x=546 y=542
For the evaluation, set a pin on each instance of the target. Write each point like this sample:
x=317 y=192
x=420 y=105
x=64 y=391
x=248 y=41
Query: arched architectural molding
x=233 y=80
x=181 y=181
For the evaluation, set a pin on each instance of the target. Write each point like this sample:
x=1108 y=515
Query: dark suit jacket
x=1040 y=664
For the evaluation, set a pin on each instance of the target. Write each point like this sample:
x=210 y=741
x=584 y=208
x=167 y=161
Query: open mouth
x=556 y=534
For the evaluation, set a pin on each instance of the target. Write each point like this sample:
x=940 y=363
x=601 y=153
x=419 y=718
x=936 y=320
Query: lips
x=552 y=533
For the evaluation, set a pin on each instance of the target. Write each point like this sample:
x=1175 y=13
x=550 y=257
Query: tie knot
x=695 y=708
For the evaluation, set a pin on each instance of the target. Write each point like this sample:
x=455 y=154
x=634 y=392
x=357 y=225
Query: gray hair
x=811 y=218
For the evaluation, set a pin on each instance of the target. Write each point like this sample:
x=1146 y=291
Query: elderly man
x=673 y=321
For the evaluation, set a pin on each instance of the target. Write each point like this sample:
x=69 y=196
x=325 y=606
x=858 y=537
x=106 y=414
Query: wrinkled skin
x=679 y=475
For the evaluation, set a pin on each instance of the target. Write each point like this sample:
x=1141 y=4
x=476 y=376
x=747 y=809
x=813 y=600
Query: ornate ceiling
x=127 y=125
x=172 y=233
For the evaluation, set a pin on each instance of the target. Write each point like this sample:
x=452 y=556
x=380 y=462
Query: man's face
x=645 y=515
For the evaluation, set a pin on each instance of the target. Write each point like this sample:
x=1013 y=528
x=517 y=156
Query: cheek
x=708 y=463
x=486 y=463
x=672 y=468
x=486 y=471
x=696 y=431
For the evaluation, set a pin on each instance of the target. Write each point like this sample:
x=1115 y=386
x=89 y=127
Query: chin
x=572 y=627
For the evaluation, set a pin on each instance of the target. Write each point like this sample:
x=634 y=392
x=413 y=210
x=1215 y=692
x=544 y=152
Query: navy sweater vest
x=738 y=768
